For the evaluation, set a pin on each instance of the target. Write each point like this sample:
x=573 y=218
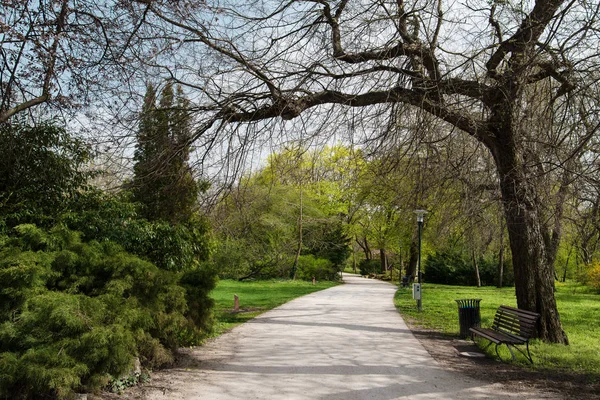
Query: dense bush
x=455 y=268
x=326 y=239
x=41 y=169
x=101 y=216
x=310 y=266
x=233 y=259
x=75 y=307
x=73 y=314
x=369 y=267
x=593 y=276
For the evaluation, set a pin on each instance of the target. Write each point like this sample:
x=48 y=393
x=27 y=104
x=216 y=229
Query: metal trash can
x=468 y=315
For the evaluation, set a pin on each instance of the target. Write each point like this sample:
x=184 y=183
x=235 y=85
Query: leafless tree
x=64 y=54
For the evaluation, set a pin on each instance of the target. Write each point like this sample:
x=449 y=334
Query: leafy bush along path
x=347 y=342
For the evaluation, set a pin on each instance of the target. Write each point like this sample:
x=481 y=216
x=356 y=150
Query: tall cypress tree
x=163 y=180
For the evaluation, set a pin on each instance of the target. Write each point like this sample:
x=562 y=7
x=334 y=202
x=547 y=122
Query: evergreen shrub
x=75 y=314
x=76 y=308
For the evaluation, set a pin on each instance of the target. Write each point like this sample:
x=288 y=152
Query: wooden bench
x=511 y=327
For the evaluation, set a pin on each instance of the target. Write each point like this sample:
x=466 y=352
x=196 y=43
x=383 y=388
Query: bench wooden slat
x=498 y=337
x=511 y=326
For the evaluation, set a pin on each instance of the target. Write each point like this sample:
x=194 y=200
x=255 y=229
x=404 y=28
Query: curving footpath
x=345 y=343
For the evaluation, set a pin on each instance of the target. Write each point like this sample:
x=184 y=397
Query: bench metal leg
x=529 y=354
x=512 y=353
x=510 y=347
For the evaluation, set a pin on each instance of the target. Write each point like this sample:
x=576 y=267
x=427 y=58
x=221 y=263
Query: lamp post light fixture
x=417 y=291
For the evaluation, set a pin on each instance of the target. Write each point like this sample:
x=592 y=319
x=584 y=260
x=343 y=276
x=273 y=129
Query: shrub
x=452 y=267
x=488 y=272
x=75 y=313
x=100 y=216
x=593 y=276
x=198 y=284
x=231 y=259
x=369 y=267
x=320 y=268
x=327 y=240
x=445 y=268
x=28 y=192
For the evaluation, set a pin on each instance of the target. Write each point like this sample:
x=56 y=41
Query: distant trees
x=260 y=219
x=163 y=180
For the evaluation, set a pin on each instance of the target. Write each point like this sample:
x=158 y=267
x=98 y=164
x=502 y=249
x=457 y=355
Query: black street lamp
x=417 y=291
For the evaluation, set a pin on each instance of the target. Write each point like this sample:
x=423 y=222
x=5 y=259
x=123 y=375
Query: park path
x=345 y=343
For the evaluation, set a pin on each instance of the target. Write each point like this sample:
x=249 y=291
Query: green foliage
x=198 y=284
x=310 y=266
x=451 y=267
x=75 y=307
x=75 y=313
x=101 y=216
x=367 y=267
x=163 y=181
x=593 y=276
x=118 y=385
x=448 y=267
x=41 y=170
x=232 y=259
x=328 y=242
x=259 y=222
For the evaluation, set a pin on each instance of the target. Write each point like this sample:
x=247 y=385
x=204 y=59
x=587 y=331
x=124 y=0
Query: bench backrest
x=515 y=321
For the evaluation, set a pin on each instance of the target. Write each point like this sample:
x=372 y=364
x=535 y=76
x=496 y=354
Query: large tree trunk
x=500 y=275
x=534 y=275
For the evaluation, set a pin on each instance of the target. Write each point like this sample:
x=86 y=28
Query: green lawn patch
x=578 y=306
x=256 y=297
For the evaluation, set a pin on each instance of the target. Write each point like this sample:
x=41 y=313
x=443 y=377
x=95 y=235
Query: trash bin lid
x=468 y=303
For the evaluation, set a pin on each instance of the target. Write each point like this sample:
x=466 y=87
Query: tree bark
x=534 y=275
x=501 y=258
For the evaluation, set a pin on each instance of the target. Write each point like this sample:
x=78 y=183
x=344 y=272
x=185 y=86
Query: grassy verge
x=256 y=297
x=578 y=306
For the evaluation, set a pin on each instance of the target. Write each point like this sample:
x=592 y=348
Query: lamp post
x=418 y=291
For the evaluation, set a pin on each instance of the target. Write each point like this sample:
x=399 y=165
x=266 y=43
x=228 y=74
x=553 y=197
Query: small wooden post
x=236 y=303
x=314 y=281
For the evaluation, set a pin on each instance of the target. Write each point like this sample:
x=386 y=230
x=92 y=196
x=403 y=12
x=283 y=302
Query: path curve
x=345 y=343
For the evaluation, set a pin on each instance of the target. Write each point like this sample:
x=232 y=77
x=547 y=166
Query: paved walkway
x=345 y=343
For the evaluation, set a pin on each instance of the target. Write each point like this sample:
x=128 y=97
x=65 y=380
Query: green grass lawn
x=578 y=306
x=256 y=297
